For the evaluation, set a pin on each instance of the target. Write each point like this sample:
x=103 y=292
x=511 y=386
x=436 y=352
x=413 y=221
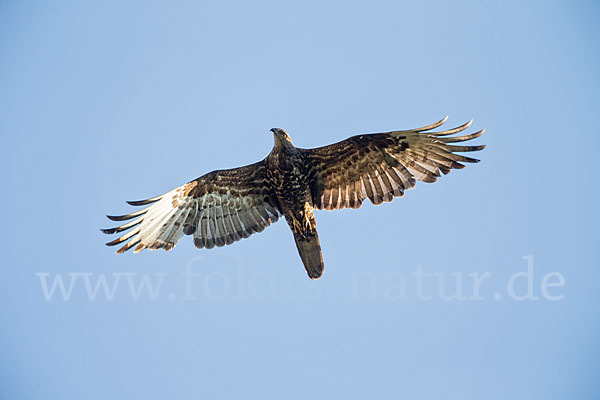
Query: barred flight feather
x=381 y=166
x=209 y=208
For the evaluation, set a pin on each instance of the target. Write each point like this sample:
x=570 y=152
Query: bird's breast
x=287 y=173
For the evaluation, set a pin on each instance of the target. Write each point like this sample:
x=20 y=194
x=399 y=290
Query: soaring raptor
x=225 y=206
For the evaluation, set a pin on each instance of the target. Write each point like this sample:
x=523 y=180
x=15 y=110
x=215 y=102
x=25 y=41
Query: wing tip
x=139 y=248
x=128 y=246
x=432 y=126
x=114 y=242
x=143 y=202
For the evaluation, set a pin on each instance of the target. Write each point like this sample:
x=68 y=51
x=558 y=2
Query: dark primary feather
x=143 y=202
x=382 y=166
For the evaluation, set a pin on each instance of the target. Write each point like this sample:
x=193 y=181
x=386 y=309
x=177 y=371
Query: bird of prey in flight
x=225 y=206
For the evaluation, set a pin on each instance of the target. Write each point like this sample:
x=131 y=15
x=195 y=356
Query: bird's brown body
x=225 y=206
x=288 y=175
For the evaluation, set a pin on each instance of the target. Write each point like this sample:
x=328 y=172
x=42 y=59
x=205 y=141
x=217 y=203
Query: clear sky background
x=113 y=101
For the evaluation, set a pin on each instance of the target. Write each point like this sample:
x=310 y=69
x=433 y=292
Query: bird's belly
x=293 y=192
x=295 y=198
x=289 y=180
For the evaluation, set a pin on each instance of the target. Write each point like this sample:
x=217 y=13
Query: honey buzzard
x=225 y=206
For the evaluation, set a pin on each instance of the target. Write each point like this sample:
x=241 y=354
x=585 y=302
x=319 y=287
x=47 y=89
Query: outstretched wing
x=382 y=166
x=218 y=208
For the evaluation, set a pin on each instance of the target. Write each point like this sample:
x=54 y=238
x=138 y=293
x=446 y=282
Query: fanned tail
x=309 y=248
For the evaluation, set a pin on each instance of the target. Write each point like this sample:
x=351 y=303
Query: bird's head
x=281 y=137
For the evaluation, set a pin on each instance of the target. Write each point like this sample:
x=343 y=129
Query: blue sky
x=113 y=101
